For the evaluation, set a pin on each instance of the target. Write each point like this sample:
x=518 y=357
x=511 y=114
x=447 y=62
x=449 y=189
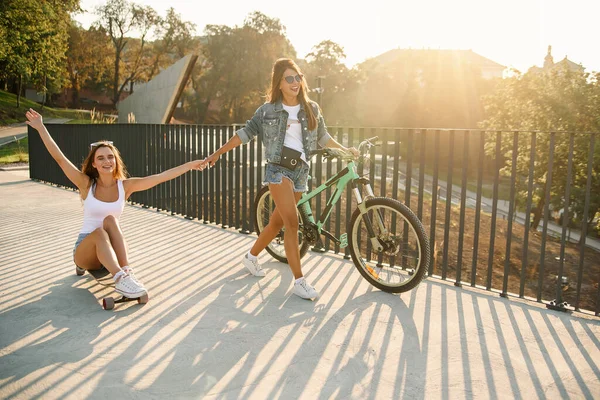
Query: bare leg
x=96 y=250
x=271 y=230
x=112 y=227
x=285 y=201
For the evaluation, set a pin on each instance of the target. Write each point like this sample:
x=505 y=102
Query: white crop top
x=293 y=133
x=94 y=210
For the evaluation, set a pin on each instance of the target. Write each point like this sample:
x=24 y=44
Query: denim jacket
x=270 y=121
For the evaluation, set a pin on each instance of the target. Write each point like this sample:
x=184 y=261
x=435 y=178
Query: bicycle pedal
x=344 y=240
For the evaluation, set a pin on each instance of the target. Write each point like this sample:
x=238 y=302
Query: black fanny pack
x=290 y=158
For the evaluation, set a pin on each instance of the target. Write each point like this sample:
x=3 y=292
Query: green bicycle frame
x=341 y=180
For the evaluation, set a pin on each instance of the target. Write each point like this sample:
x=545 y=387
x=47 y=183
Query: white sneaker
x=129 y=271
x=253 y=266
x=304 y=289
x=129 y=288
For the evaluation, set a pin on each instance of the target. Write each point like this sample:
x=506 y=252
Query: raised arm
x=78 y=178
x=133 y=185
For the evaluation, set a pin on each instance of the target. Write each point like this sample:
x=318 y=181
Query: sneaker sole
x=307 y=298
x=130 y=296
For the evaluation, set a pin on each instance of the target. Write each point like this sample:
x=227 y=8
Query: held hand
x=212 y=159
x=34 y=119
x=198 y=164
x=353 y=150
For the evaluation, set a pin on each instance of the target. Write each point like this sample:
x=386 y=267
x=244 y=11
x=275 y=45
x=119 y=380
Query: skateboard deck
x=104 y=278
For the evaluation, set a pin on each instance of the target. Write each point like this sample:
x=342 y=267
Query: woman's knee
x=110 y=222
x=275 y=221
x=275 y=225
x=291 y=222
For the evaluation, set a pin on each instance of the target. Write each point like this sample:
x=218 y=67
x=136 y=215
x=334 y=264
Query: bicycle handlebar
x=340 y=153
x=368 y=143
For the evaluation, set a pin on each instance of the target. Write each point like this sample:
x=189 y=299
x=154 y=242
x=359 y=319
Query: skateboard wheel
x=143 y=299
x=79 y=271
x=108 y=303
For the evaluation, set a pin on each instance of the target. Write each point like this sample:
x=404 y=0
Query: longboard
x=104 y=278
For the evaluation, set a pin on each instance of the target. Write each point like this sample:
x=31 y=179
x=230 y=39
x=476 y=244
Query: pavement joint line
x=20 y=168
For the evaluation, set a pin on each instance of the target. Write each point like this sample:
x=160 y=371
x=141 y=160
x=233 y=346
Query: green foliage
x=34 y=40
x=132 y=58
x=15 y=152
x=559 y=100
x=89 y=58
x=236 y=67
x=175 y=41
x=325 y=66
x=9 y=114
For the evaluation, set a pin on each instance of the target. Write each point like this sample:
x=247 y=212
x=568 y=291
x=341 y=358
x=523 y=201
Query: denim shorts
x=80 y=238
x=275 y=173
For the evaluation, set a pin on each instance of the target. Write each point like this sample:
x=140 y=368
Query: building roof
x=549 y=64
x=570 y=64
x=468 y=56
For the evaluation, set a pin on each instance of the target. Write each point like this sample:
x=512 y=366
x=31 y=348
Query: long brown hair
x=120 y=172
x=275 y=94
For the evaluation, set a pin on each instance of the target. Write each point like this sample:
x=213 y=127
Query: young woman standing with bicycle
x=291 y=125
x=104 y=187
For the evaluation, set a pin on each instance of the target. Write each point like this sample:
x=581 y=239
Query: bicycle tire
x=422 y=249
x=260 y=222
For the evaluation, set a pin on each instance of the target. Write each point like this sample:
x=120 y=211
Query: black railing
x=476 y=192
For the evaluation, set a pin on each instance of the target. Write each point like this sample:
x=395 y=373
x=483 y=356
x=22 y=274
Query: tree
x=332 y=79
x=238 y=64
x=562 y=101
x=175 y=41
x=88 y=58
x=121 y=19
x=36 y=44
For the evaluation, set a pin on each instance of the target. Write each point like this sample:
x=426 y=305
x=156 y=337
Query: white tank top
x=94 y=210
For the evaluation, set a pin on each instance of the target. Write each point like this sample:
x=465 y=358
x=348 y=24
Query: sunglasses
x=290 y=79
x=104 y=142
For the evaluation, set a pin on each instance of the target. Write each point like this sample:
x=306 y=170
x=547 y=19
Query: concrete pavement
x=18 y=131
x=211 y=330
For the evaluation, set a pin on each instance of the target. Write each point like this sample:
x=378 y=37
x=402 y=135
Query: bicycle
x=393 y=258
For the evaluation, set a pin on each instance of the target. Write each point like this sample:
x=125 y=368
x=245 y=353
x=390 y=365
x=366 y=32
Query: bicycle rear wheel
x=263 y=209
x=402 y=263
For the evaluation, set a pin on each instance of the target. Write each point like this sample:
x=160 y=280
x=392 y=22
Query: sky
x=514 y=33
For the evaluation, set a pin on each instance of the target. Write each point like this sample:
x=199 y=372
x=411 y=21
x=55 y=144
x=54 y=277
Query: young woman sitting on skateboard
x=103 y=186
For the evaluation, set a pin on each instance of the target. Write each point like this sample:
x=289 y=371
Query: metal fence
x=475 y=192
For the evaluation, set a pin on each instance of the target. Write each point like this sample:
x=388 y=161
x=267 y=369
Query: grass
x=487 y=189
x=79 y=121
x=10 y=113
x=15 y=152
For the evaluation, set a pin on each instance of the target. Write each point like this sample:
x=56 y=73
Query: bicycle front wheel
x=264 y=206
x=404 y=258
